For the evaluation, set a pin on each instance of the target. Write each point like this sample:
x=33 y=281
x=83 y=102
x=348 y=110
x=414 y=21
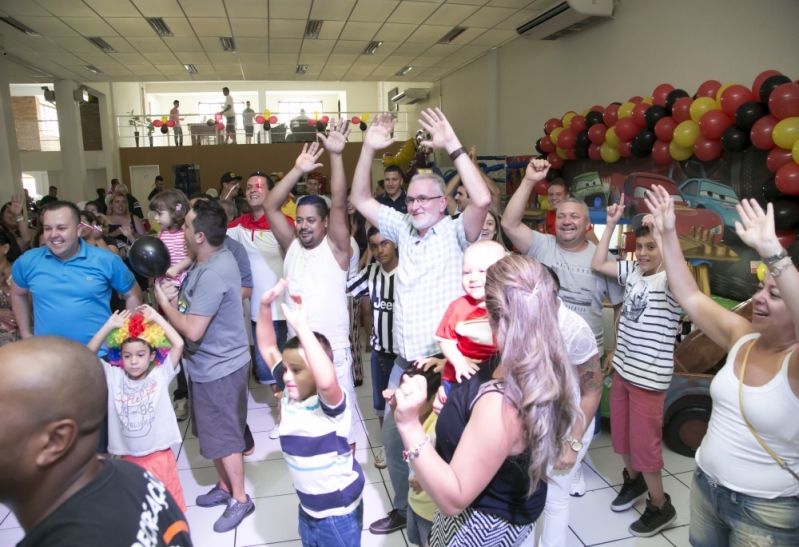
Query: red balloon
x=625 y=149
x=638 y=114
x=660 y=152
x=593 y=151
x=664 y=130
x=787 y=179
x=218 y=117
x=311 y=122
x=733 y=97
x=786 y=238
x=546 y=144
x=325 y=119
x=566 y=139
x=636 y=99
x=778 y=157
x=707 y=149
x=713 y=124
x=555 y=161
x=157 y=123
x=259 y=119
x=680 y=111
x=626 y=129
x=597 y=108
x=611 y=115
x=220 y=126
x=708 y=88
x=660 y=93
x=596 y=133
x=761 y=132
x=540 y=187
x=356 y=120
x=784 y=101
x=571 y=154
x=272 y=119
x=170 y=123
x=762 y=77
x=577 y=124
x=550 y=124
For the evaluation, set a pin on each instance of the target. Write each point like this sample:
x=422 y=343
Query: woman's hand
x=756 y=227
x=409 y=398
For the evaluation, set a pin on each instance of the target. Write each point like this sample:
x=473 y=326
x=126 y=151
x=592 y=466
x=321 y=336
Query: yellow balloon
x=567 y=118
x=649 y=99
x=164 y=119
x=316 y=115
x=701 y=106
x=685 y=134
x=679 y=153
x=553 y=135
x=365 y=117
x=795 y=152
x=610 y=154
x=562 y=152
x=267 y=113
x=626 y=110
x=762 y=271
x=722 y=89
x=786 y=133
x=611 y=138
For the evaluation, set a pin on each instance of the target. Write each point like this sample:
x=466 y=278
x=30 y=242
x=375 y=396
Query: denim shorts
x=343 y=530
x=720 y=517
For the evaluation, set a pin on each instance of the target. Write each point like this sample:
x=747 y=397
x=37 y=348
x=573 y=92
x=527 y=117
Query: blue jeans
x=262 y=372
x=721 y=517
x=343 y=531
x=397 y=469
x=382 y=364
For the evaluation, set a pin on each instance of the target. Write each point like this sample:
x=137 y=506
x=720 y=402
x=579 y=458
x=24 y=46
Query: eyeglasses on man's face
x=423 y=200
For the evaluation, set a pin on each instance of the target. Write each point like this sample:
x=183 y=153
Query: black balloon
x=770 y=84
x=321 y=126
x=362 y=126
x=770 y=191
x=642 y=143
x=210 y=123
x=735 y=139
x=538 y=147
x=652 y=115
x=149 y=257
x=786 y=215
x=553 y=174
x=592 y=118
x=580 y=153
x=164 y=129
x=672 y=97
x=748 y=113
x=267 y=126
x=582 y=140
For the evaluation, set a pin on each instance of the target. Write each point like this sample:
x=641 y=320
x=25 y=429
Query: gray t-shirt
x=213 y=288
x=582 y=290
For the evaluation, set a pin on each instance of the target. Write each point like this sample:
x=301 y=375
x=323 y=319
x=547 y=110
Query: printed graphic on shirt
x=135 y=403
x=635 y=304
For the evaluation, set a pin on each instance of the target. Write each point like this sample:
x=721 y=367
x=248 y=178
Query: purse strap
x=757 y=436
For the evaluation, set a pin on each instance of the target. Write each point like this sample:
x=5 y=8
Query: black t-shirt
x=124 y=506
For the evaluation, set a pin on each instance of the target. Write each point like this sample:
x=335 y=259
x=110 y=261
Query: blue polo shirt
x=71 y=297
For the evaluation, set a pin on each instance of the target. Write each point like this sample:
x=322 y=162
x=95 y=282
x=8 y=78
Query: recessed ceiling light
x=102 y=44
x=302 y=69
x=191 y=69
x=451 y=35
x=404 y=70
x=20 y=26
x=159 y=26
x=227 y=43
x=313 y=28
x=372 y=47
x=93 y=69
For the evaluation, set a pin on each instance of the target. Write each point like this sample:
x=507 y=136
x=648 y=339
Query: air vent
x=191 y=69
x=313 y=28
x=372 y=48
x=102 y=44
x=302 y=69
x=22 y=27
x=404 y=70
x=93 y=69
x=159 y=26
x=227 y=43
x=451 y=35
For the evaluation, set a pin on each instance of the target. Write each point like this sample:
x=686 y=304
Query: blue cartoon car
x=702 y=193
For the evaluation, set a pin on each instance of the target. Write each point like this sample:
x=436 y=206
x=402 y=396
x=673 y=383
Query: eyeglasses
x=411 y=200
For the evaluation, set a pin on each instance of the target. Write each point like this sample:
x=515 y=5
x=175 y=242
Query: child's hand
x=427 y=363
x=615 y=211
x=388 y=395
x=415 y=486
x=465 y=369
x=173 y=272
x=607 y=366
x=274 y=293
x=149 y=313
x=660 y=204
x=117 y=319
x=440 y=400
x=295 y=315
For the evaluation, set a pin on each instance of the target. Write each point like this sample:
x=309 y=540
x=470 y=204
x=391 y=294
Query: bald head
x=487 y=251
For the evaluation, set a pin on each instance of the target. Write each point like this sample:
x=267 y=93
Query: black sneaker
x=393 y=522
x=654 y=520
x=631 y=491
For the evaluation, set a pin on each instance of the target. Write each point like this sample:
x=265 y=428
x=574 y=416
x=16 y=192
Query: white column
x=10 y=169
x=73 y=158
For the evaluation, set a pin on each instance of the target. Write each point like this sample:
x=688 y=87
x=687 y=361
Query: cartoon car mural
x=704 y=193
x=590 y=188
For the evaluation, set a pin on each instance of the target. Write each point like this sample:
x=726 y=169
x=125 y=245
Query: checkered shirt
x=428 y=279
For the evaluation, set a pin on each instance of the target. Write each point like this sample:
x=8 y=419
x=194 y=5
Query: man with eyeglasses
x=431 y=245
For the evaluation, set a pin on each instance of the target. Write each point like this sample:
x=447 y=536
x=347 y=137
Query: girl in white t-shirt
x=143 y=355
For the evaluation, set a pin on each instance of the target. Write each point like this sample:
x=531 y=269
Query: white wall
x=682 y=42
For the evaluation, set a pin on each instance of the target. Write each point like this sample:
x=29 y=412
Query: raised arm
x=444 y=137
x=305 y=163
x=176 y=351
x=600 y=262
x=377 y=137
x=265 y=331
x=522 y=236
x=116 y=321
x=338 y=228
x=721 y=326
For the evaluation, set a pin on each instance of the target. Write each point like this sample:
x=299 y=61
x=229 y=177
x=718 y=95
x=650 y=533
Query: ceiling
x=268 y=34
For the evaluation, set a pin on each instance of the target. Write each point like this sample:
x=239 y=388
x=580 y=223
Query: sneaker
x=181 y=407
x=654 y=520
x=275 y=433
x=577 y=487
x=631 y=491
x=380 y=458
x=215 y=496
x=393 y=522
x=235 y=512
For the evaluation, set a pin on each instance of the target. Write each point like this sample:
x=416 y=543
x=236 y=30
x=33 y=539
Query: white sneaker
x=577 y=488
x=275 y=433
x=380 y=458
x=181 y=407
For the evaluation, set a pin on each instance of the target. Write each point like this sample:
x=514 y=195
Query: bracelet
x=457 y=152
x=408 y=455
x=776 y=269
x=773 y=259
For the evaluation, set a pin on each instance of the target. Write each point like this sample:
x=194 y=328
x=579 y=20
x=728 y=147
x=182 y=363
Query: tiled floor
x=275 y=519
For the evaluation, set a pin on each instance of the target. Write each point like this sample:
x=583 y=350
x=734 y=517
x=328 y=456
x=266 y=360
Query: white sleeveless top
x=730 y=454
x=317 y=276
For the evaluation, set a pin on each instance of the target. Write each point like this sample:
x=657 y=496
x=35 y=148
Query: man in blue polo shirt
x=69 y=281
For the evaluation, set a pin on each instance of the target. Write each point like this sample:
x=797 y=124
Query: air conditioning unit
x=566 y=18
x=411 y=95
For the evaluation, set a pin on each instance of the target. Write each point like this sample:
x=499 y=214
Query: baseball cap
x=230 y=176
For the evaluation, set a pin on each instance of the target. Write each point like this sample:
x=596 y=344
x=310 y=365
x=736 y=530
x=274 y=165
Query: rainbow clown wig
x=136 y=328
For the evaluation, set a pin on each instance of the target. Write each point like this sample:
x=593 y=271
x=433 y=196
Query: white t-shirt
x=141 y=419
x=230 y=112
x=578 y=339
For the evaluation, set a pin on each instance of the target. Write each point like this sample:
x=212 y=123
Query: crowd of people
x=486 y=342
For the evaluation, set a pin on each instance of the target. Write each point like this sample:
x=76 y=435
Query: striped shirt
x=648 y=325
x=379 y=285
x=313 y=436
x=175 y=242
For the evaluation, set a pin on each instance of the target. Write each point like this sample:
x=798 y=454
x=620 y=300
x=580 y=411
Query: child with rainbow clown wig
x=143 y=355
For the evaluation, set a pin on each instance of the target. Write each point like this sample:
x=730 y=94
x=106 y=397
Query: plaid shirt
x=428 y=279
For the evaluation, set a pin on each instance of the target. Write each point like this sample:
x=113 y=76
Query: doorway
x=142 y=178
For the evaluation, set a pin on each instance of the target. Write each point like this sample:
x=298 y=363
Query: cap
x=229 y=177
x=212 y=193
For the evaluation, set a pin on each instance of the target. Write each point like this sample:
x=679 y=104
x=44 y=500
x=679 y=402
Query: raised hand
x=756 y=227
x=409 y=399
x=615 y=211
x=661 y=206
x=149 y=313
x=380 y=133
x=337 y=138
x=118 y=318
x=441 y=133
x=296 y=315
x=15 y=206
x=274 y=293
x=537 y=170
x=308 y=158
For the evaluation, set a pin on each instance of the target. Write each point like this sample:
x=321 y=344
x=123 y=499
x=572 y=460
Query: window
x=292 y=109
x=48 y=126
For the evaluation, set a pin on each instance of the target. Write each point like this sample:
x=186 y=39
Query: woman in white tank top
x=740 y=495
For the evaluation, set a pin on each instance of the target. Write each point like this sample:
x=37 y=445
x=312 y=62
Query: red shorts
x=636 y=424
x=162 y=465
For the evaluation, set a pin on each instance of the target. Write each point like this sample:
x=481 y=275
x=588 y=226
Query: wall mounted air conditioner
x=566 y=18
x=411 y=95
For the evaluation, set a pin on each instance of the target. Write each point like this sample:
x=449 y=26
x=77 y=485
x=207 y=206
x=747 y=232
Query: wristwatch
x=773 y=259
x=574 y=444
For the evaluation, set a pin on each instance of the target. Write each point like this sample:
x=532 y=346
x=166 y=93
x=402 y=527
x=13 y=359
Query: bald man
x=53 y=399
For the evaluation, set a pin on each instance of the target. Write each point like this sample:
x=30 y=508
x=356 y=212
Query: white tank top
x=317 y=276
x=730 y=454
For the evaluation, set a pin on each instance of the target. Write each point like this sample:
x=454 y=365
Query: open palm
x=308 y=158
x=336 y=140
x=434 y=122
x=379 y=134
x=756 y=227
x=661 y=207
